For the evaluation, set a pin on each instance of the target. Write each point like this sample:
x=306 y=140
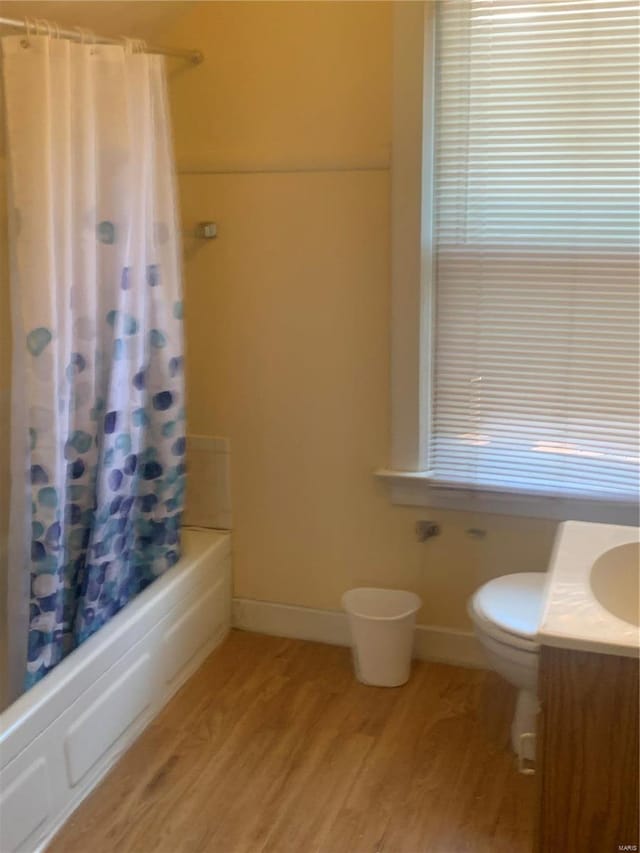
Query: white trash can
x=381 y=623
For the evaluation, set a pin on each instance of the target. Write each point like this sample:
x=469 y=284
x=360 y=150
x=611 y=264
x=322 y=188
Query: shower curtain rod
x=38 y=27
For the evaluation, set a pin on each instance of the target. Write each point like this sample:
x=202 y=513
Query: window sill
x=418 y=488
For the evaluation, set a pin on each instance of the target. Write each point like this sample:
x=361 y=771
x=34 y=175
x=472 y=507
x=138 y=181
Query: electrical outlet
x=426 y=530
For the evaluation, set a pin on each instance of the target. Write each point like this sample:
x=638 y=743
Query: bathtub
x=58 y=740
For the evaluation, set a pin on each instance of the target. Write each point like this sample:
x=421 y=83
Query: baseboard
x=433 y=643
x=448 y=645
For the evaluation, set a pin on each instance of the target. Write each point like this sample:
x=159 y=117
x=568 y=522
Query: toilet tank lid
x=513 y=602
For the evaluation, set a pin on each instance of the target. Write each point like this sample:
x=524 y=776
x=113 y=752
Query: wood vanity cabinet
x=587 y=753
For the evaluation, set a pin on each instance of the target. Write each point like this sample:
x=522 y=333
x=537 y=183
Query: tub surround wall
x=208 y=500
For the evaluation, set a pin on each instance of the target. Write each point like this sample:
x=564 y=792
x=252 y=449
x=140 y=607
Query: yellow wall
x=287 y=312
x=285 y=85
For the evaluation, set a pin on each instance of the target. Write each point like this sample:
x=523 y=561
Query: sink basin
x=592 y=590
x=615 y=581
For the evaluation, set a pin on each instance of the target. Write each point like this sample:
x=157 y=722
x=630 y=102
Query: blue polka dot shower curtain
x=98 y=401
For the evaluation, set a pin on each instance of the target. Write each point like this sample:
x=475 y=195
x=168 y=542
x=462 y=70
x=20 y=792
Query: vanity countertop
x=591 y=564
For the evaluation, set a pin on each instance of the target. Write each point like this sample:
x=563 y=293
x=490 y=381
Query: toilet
x=506 y=614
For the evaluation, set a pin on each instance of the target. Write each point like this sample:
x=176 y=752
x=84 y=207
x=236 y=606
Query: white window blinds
x=536 y=240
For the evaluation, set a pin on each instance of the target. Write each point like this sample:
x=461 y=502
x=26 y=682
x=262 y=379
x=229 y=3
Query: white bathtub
x=60 y=738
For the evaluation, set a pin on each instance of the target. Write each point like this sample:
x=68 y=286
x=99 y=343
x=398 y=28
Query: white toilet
x=506 y=613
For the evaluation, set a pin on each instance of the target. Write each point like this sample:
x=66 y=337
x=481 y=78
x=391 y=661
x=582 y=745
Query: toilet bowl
x=506 y=615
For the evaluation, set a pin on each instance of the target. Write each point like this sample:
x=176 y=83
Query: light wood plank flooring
x=273 y=746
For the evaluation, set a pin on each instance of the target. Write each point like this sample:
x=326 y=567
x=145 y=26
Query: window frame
x=413 y=301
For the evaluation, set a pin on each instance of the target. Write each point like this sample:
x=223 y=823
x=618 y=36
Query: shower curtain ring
x=26 y=41
x=46 y=25
x=86 y=36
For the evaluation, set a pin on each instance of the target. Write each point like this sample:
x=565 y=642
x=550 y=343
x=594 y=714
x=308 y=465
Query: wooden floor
x=273 y=746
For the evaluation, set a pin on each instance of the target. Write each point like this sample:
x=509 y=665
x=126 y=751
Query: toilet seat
x=488 y=629
x=509 y=608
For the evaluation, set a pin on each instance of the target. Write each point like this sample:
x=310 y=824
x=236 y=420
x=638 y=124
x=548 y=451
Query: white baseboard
x=448 y=645
x=445 y=645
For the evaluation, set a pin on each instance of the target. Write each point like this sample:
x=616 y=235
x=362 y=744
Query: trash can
x=381 y=622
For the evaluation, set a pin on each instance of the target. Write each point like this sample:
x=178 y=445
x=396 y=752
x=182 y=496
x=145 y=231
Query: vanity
x=587 y=746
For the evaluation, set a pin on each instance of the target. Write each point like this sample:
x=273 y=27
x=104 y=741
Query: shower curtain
x=98 y=403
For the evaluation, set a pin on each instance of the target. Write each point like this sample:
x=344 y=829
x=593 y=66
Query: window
x=529 y=253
